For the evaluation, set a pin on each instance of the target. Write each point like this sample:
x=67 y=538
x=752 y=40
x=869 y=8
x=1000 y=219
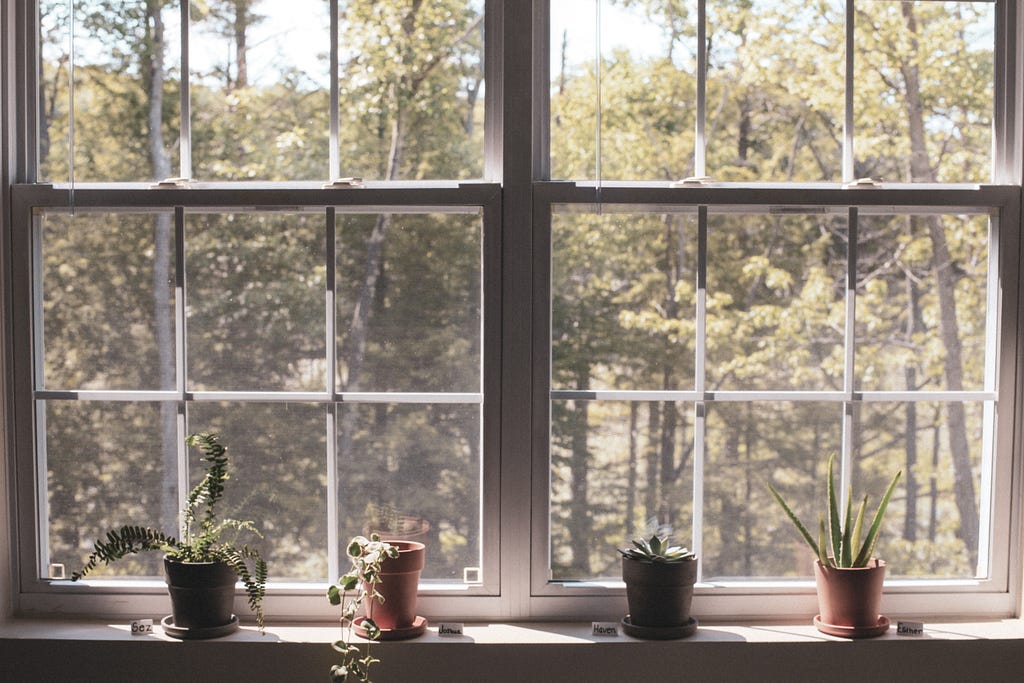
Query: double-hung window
x=522 y=280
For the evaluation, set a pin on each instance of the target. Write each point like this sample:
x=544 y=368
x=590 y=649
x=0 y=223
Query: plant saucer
x=880 y=627
x=418 y=628
x=659 y=632
x=201 y=633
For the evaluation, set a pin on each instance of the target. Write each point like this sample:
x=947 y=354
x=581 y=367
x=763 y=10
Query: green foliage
x=656 y=549
x=365 y=556
x=844 y=537
x=201 y=532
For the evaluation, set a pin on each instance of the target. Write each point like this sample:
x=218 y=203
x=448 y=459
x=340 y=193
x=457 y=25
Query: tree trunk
x=910 y=431
x=920 y=171
x=241 y=28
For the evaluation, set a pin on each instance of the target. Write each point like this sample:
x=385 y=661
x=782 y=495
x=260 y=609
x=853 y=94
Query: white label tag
x=142 y=627
x=910 y=628
x=449 y=629
x=605 y=629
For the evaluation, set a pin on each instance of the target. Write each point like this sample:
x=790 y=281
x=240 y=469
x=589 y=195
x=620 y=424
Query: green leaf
x=847 y=553
x=835 y=532
x=793 y=518
x=869 y=542
x=334 y=595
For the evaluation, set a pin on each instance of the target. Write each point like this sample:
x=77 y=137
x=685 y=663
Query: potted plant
x=382 y=580
x=848 y=578
x=659 y=589
x=201 y=567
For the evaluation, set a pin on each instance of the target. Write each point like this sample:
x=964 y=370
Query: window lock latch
x=864 y=183
x=171 y=184
x=694 y=181
x=340 y=183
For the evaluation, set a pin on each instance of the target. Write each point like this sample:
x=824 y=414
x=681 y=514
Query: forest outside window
x=526 y=347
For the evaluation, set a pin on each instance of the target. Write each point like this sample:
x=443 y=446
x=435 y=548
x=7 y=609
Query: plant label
x=449 y=629
x=909 y=628
x=605 y=629
x=142 y=627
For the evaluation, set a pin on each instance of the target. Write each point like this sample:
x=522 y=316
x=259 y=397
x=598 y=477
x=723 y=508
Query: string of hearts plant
x=365 y=556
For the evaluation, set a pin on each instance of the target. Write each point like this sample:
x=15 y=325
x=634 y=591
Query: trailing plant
x=656 y=549
x=365 y=556
x=843 y=538
x=201 y=532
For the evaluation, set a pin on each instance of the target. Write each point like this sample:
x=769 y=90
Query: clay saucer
x=880 y=627
x=418 y=628
x=659 y=632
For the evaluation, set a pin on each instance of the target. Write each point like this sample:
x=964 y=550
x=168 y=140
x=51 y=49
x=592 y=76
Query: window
x=524 y=279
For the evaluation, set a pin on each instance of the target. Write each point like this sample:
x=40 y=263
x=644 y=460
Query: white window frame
x=515 y=426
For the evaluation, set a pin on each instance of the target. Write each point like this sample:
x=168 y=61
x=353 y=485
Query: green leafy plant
x=201 y=532
x=365 y=556
x=656 y=549
x=843 y=537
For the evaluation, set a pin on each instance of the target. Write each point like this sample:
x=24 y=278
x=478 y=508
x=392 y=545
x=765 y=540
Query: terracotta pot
x=659 y=593
x=850 y=597
x=399 y=583
x=202 y=593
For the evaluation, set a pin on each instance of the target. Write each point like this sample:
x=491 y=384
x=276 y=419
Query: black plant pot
x=659 y=596
x=202 y=595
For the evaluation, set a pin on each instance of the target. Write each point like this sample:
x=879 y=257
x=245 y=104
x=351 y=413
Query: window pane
x=107 y=285
x=417 y=469
x=260 y=81
x=617 y=470
x=775 y=90
x=116 y=49
x=409 y=302
x=412 y=89
x=922 y=291
x=776 y=302
x=932 y=523
x=924 y=90
x=746 y=533
x=256 y=301
x=647 y=90
x=623 y=300
x=104 y=470
x=278 y=479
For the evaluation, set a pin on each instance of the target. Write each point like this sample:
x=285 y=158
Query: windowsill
x=978 y=650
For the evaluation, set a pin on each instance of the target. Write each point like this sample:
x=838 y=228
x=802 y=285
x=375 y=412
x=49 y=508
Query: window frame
x=517 y=170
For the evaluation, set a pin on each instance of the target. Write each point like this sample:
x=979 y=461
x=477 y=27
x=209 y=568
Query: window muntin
x=253 y=298
x=771 y=335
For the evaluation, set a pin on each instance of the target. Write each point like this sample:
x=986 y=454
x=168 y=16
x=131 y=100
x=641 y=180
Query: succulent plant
x=656 y=549
x=843 y=538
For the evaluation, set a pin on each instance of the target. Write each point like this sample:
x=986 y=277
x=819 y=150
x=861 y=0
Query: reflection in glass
x=278 y=479
x=922 y=290
x=260 y=89
x=617 y=470
x=255 y=302
x=776 y=302
x=409 y=293
x=105 y=470
x=116 y=54
x=623 y=300
x=107 y=301
x=924 y=91
x=775 y=90
x=414 y=470
x=746 y=534
x=932 y=523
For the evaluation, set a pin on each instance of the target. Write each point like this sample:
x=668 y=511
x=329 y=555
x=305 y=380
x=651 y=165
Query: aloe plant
x=656 y=549
x=843 y=538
